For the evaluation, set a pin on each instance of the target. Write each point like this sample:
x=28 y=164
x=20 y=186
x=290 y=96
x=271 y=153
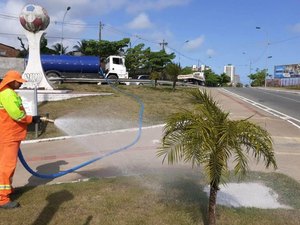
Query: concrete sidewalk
x=286 y=137
x=53 y=156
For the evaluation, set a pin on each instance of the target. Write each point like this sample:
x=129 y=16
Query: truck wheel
x=112 y=79
x=54 y=78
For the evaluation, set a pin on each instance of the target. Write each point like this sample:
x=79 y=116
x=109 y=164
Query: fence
x=283 y=82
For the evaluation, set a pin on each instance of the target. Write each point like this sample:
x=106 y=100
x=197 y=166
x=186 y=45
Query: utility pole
x=163 y=44
x=100 y=30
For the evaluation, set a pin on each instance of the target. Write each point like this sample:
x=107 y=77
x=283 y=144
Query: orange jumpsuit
x=13 y=129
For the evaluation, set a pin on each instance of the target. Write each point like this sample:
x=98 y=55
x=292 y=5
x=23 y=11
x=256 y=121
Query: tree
x=139 y=60
x=258 y=78
x=187 y=70
x=135 y=60
x=172 y=71
x=208 y=137
x=24 y=51
x=43 y=47
x=57 y=49
x=211 y=79
x=157 y=61
x=81 y=46
x=102 y=48
x=224 y=79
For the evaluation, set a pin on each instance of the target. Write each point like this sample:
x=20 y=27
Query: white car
x=142 y=77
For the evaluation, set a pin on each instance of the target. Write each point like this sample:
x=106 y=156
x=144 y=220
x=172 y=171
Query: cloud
x=82 y=8
x=11 y=27
x=146 y=5
x=210 y=52
x=295 y=28
x=82 y=20
x=194 y=44
x=142 y=21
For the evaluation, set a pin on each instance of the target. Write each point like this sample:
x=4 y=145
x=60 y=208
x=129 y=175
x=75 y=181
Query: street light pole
x=184 y=43
x=267 y=73
x=62 y=30
x=267 y=52
x=250 y=67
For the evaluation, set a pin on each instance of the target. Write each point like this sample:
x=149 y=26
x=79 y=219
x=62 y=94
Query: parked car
x=142 y=77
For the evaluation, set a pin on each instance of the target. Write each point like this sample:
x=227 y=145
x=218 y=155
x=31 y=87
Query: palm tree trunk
x=212 y=206
x=174 y=85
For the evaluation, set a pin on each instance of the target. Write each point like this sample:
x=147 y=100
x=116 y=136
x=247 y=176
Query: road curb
x=86 y=135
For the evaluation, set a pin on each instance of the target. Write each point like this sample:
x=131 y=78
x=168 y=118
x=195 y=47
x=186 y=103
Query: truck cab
x=115 y=67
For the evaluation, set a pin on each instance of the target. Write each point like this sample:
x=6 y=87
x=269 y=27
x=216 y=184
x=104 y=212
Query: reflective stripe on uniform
x=5 y=187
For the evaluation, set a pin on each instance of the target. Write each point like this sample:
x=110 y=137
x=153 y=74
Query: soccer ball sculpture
x=34 y=18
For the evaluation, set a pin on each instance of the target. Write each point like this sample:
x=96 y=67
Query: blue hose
x=62 y=173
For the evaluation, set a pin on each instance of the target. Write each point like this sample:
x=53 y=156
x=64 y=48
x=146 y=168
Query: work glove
x=36 y=119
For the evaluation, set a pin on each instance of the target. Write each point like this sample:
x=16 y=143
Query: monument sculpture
x=35 y=20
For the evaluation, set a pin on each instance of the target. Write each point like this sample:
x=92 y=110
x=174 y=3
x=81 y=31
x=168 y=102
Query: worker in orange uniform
x=13 y=129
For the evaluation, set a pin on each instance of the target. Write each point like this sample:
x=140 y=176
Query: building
x=229 y=70
x=236 y=79
x=201 y=68
x=8 y=51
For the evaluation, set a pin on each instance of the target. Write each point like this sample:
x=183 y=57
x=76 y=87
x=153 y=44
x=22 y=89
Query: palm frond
x=206 y=135
x=258 y=140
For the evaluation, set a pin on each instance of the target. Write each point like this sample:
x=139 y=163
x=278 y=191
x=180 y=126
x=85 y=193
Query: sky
x=249 y=34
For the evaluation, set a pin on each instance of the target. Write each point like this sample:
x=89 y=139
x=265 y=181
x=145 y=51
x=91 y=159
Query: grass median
x=167 y=198
x=158 y=102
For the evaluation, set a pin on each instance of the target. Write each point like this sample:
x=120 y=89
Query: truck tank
x=71 y=64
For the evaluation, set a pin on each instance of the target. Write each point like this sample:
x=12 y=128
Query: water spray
x=62 y=173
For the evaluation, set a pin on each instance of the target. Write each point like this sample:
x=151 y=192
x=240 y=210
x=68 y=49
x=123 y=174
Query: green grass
x=294 y=87
x=169 y=199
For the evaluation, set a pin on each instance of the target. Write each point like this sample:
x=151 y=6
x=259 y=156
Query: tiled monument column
x=34 y=20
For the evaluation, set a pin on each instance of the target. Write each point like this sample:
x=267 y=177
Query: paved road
x=53 y=156
x=287 y=102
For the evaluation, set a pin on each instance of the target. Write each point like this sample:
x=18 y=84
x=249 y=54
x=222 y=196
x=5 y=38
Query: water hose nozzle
x=45 y=119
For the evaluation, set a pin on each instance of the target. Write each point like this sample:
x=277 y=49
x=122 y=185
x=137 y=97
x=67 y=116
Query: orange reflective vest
x=13 y=118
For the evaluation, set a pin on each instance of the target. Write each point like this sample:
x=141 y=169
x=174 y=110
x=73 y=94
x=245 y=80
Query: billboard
x=287 y=71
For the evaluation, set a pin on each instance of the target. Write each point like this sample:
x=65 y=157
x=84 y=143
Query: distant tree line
x=138 y=59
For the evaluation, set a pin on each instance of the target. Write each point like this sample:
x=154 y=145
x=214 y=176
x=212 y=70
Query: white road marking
x=274 y=112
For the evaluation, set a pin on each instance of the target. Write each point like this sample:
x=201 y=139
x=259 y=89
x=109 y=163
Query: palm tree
x=81 y=46
x=155 y=76
x=173 y=70
x=57 y=48
x=208 y=137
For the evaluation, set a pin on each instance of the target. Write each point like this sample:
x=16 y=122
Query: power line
x=48 y=37
x=10 y=17
x=190 y=58
x=100 y=27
